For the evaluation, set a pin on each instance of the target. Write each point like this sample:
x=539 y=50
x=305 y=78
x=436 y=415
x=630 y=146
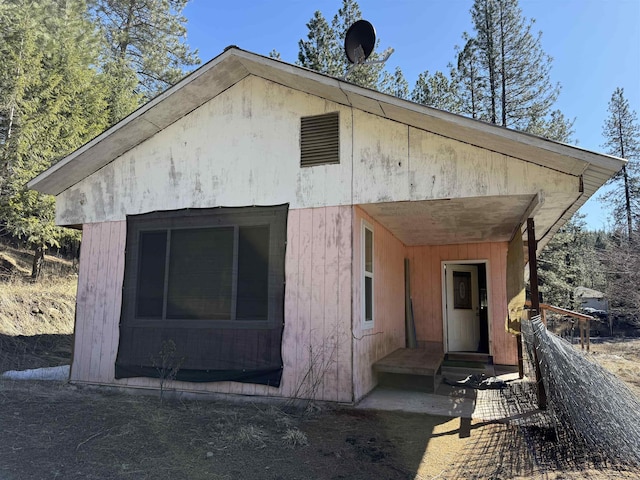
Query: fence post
x=535 y=307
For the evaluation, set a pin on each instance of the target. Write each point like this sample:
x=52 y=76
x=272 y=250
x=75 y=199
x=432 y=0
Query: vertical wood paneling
x=344 y=356
x=90 y=302
x=369 y=345
x=317 y=307
x=114 y=252
x=318 y=341
x=291 y=325
x=304 y=295
x=79 y=352
x=426 y=278
x=330 y=290
x=100 y=300
x=116 y=290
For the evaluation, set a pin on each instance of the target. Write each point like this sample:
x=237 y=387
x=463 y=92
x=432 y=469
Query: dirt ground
x=57 y=430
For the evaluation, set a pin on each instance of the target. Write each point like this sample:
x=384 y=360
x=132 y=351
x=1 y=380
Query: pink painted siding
x=426 y=291
x=370 y=345
x=98 y=302
x=325 y=353
x=316 y=345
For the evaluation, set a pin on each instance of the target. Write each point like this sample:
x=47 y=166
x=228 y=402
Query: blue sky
x=595 y=45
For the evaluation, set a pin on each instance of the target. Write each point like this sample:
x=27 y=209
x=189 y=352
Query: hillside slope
x=36 y=319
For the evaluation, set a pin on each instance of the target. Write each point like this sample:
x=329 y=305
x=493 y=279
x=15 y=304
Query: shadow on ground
x=36 y=351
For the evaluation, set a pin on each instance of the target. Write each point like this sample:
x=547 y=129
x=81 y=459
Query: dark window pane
x=150 y=289
x=368 y=298
x=368 y=250
x=200 y=274
x=253 y=273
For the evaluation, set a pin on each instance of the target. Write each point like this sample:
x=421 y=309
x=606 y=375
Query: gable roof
x=235 y=64
x=584 y=292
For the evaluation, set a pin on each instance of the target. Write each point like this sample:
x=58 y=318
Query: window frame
x=366 y=226
x=221 y=217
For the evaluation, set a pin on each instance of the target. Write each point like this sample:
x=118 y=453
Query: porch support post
x=532 y=245
x=535 y=306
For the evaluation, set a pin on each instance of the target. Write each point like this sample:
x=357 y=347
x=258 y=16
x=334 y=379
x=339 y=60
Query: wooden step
x=483 y=358
x=410 y=361
x=410 y=369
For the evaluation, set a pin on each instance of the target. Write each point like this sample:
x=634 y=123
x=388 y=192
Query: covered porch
x=455 y=300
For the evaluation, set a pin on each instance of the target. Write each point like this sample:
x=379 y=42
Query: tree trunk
x=503 y=72
x=38 y=261
x=627 y=198
x=491 y=64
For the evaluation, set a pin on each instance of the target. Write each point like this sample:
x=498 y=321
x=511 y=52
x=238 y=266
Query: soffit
x=454 y=221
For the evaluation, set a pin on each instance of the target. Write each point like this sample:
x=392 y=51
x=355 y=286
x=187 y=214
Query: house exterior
x=258 y=215
x=591 y=299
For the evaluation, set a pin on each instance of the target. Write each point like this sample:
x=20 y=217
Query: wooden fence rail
x=584 y=321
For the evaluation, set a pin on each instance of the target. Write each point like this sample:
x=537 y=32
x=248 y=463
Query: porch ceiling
x=446 y=222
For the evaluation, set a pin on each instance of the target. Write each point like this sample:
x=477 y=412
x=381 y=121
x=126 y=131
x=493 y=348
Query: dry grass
x=621 y=356
x=46 y=307
x=293 y=438
x=42 y=308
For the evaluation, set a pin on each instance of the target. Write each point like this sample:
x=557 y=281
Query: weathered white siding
x=242 y=148
x=316 y=345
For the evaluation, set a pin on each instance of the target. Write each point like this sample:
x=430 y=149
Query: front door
x=462 y=309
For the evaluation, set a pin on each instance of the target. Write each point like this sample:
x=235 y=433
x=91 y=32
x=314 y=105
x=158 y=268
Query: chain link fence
x=588 y=403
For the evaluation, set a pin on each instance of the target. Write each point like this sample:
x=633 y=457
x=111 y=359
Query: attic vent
x=319 y=140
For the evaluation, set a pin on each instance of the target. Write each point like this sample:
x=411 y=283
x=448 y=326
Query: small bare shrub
x=294 y=438
x=167 y=364
x=251 y=435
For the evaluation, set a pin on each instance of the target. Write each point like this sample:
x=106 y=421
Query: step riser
x=460 y=373
x=470 y=357
x=418 y=383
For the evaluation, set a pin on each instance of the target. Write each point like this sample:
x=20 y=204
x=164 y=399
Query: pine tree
x=503 y=72
x=571 y=259
x=395 y=84
x=52 y=102
x=145 y=39
x=622 y=266
x=554 y=127
x=470 y=80
x=323 y=51
x=318 y=51
x=622 y=135
x=436 y=91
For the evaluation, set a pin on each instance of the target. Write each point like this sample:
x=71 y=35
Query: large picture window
x=205 y=273
x=219 y=273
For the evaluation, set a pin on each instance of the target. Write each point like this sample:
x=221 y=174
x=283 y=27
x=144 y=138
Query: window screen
x=212 y=282
x=149 y=300
x=253 y=273
x=200 y=280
